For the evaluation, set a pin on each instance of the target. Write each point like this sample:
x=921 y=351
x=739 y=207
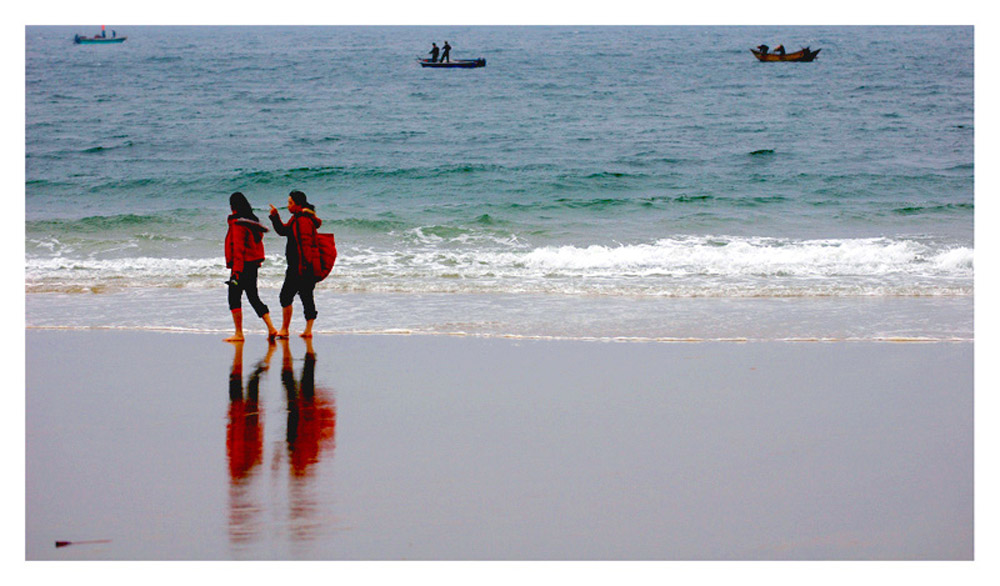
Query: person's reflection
x=244 y=443
x=312 y=420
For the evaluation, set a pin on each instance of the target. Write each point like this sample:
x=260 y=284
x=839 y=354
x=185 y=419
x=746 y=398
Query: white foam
x=754 y=256
x=957 y=259
x=679 y=266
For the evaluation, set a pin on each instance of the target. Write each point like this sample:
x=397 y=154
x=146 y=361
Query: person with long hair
x=244 y=255
x=300 y=252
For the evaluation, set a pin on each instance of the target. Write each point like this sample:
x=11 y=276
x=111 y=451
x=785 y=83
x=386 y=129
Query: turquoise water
x=649 y=182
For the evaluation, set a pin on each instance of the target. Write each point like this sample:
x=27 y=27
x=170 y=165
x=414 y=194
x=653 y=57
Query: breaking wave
x=688 y=266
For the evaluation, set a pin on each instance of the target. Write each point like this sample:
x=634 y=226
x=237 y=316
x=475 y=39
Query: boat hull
x=801 y=56
x=458 y=63
x=98 y=40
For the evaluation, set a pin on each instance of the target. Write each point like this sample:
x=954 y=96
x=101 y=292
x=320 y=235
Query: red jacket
x=300 y=250
x=244 y=242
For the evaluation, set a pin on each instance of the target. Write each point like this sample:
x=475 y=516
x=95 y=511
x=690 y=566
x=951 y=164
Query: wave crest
x=436 y=260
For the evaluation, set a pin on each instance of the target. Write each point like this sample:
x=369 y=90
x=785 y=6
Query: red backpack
x=326 y=248
x=321 y=256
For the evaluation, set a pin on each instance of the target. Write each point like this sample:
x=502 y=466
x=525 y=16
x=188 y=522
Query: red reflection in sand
x=245 y=428
x=244 y=445
x=312 y=414
x=309 y=435
x=244 y=438
x=312 y=420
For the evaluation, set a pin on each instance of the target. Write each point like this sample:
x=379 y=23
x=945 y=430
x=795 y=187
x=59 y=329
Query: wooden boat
x=466 y=63
x=802 y=55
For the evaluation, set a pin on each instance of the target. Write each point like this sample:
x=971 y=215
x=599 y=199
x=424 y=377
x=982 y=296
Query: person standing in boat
x=244 y=255
x=445 y=55
x=434 y=52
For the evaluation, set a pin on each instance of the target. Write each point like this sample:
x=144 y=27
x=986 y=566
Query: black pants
x=303 y=286
x=248 y=285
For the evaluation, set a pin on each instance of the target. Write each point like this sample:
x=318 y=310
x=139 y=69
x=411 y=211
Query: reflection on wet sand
x=312 y=416
x=309 y=435
x=312 y=420
x=244 y=445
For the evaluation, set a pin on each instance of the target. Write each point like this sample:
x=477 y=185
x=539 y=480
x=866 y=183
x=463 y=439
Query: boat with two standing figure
x=462 y=63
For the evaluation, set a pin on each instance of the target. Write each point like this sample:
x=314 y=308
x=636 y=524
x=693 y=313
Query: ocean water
x=589 y=183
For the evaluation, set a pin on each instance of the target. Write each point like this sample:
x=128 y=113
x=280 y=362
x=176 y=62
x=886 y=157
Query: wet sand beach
x=169 y=446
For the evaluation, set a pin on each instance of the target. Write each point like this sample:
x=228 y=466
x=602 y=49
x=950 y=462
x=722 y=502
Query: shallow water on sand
x=178 y=446
x=948 y=318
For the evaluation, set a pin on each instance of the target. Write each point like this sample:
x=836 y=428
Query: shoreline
x=250 y=333
x=533 y=317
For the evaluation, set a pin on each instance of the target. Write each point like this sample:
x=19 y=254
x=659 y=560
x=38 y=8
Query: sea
x=608 y=183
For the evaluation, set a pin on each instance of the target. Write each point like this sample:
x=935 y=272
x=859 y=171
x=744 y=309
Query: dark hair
x=241 y=207
x=300 y=200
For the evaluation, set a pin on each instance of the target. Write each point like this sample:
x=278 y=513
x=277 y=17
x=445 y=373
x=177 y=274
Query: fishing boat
x=465 y=63
x=101 y=39
x=97 y=40
x=802 y=55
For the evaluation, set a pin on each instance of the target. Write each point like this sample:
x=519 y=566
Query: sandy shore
x=445 y=448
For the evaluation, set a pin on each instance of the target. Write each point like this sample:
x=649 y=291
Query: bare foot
x=236 y=338
x=306 y=335
x=272 y=334
x=281 y=335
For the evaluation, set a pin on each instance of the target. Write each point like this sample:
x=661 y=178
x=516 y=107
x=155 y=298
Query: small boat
x=97 y=40
x=802 y=55
x=101 y=39
x=466 y=63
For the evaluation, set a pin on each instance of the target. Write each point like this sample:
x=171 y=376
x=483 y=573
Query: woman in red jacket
x=300 y=251
x=244 y=254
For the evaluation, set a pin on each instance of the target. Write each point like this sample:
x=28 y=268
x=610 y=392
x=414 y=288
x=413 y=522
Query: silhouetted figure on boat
x=434 y=52
x=762 y=48
x=446 y=54
x=780 y=50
